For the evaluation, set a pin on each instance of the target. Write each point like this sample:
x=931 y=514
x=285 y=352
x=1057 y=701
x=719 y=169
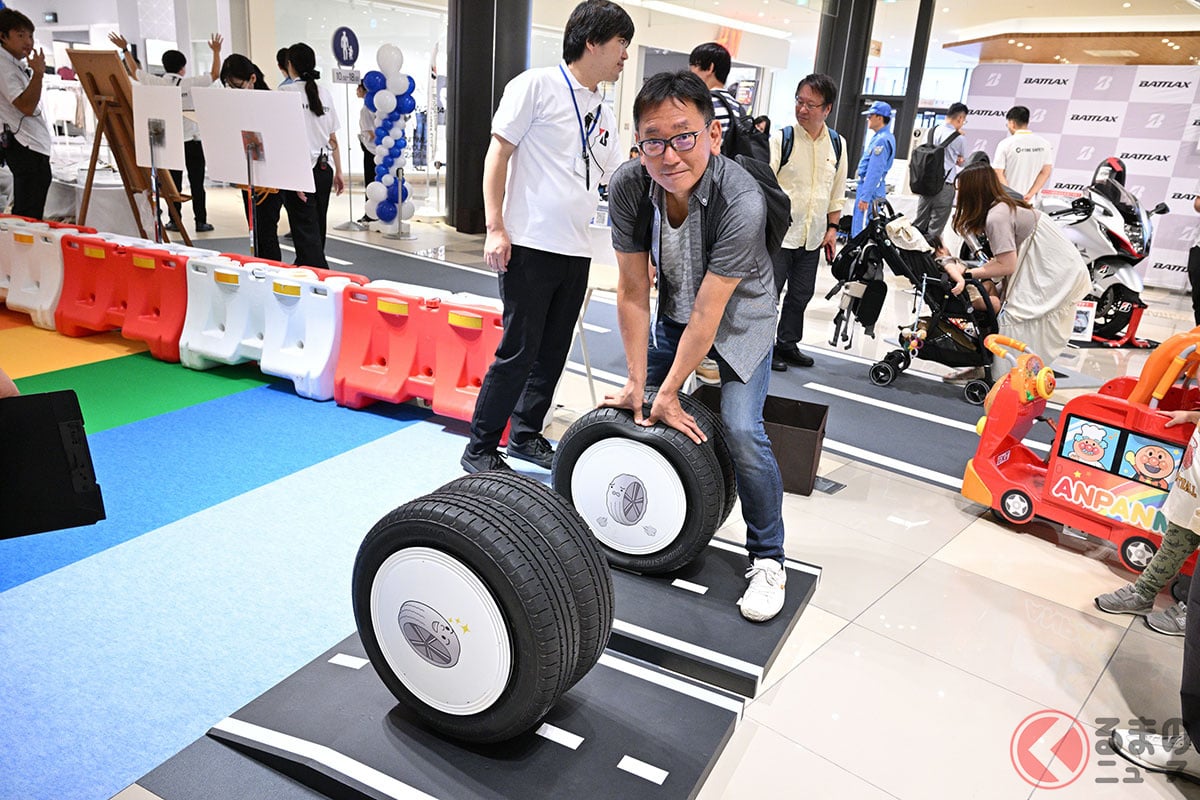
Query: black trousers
x=368 y=167
x=193 y=159
x=266 y=225
x=307 y=218
x=542 y=294
x=1194 y=279
x=1189 y=687
x=798 y=269
x=31 y=180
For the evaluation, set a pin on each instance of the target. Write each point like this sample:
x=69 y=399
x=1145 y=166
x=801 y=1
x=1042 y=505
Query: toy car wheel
x=652 y=496
x=1016 y=506
x=976 y=392
x=882 y=373
x=1136 y=552
x=463 y=614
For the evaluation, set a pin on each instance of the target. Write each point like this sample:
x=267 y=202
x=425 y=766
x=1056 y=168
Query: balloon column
x=389 y=95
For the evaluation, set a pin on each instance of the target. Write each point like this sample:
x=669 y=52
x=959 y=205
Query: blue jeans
x=759 y=484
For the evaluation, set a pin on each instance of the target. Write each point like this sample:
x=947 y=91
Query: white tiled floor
x=935 y=630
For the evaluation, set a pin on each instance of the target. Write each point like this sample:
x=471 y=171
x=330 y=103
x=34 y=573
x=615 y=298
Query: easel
x=108 y=89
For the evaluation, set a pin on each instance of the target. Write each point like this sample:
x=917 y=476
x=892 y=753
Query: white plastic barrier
x=468 y=299
x=410 y=289
x=36 y=277
x=226 y=310
x=7 y=226
x=303 y=332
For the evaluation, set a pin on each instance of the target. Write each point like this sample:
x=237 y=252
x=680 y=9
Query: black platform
x=626 y=730
x=688 y=621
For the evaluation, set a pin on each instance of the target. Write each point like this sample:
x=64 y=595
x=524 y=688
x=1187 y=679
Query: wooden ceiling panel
x=1180 y=47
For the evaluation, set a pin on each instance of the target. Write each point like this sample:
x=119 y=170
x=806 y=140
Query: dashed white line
x=344 y=660
x=643 y=770
x=557 y=735
x=680 y=583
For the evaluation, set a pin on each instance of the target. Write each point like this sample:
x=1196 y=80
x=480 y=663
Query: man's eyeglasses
x=680 y=143
x=809 y=106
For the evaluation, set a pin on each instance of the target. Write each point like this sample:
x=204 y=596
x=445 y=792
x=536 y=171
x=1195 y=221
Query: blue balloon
x=393 y=193
x=402 y=142
x=369 y=102
x=380 y=171
x=388 y=161
x=381 y=132
x=405 y=103
x=403 y=191
x=396 y=151
x=374 y=81
x=385 y=211
x=393 y=117
x=412 y=84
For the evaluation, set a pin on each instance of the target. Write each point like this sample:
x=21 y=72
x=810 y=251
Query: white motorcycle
x=1111 y=229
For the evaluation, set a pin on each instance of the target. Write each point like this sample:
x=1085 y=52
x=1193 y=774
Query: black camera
x=7 y=139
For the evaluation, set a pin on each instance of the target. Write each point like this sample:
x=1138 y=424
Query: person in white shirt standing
x=1024 y=160
x=1194 y=263
x=554 y=141
x=175 y=66
x=812 y=170
x=26 y=141
x=933 y=211
x=366 y=141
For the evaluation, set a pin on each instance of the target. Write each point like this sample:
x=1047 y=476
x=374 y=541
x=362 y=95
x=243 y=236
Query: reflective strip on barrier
x=143 y=262
x=221 y=276
x=392 y=306
x=23 y=238
x=93 y=252
x=460 y=320
x=289 y=289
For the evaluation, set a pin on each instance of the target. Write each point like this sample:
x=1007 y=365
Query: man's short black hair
x=665 y=86
x=174 y=61
x=711 y=55
x=1019 y=115
x=821 y=84
x=958 y=108
x=594 y=22
x=281 y=58
x=13 y=20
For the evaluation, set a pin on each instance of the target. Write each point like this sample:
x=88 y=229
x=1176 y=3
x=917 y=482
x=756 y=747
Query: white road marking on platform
x=353 y=662
x=688 y=647
x=909 y=412
x=643 y=770
x=597 y=374
x=896 y=464
x=338 y=762
x=680 y=583
x=431 y=260
x=557 y=735
x=727 y=702
x=587 y=326
x=330 y=259
x=799 y=566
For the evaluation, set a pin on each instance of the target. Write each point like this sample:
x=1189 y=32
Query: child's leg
x=1178 y=544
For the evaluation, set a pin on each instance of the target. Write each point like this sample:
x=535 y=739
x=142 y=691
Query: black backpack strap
x=785 y=148
x=835 y=139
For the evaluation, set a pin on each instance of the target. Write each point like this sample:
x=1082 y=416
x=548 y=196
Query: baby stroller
x=951 y=333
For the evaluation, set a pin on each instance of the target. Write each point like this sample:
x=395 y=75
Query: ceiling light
x=715 y=19
x=1020 y=44
x=1174 y=47
x=1028 y=47
x=1012 y=41
x=762 y=14
x=1166 y=41
x=945 y=10
x=1058 y=58
x=1126 y=5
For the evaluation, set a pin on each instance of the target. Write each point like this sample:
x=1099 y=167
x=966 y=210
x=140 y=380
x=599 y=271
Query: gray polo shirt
x=738 y=250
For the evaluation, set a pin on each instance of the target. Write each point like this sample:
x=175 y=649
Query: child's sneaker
x=1124 y=601
x=1171 y=621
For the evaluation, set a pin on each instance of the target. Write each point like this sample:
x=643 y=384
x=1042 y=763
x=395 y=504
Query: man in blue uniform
x=876 y=160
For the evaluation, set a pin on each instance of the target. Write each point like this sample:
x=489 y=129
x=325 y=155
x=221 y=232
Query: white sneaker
x=1171 y=754
x=764 y=595
x=708 y=372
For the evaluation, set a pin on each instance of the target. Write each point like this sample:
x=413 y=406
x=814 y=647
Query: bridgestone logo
x=1165 y=85
x=1048 y=81
x=1144 y=157
x=1093 y=118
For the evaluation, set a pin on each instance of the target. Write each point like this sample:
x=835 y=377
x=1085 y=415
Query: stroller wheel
x=882 y=373
x=976 y=392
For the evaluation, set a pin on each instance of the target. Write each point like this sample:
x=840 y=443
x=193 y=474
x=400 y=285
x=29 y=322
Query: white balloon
x=397 y=131
x=400 y=160
x=378 y=158
x=387 y=142
x=370 y=207
x=390 y=59
x=407 y=209
x=397 y=83
x=380 y=150
x=376 y=191
x=385 y=101
x=388 y=180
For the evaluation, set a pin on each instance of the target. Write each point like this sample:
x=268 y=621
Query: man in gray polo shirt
x=706 y=234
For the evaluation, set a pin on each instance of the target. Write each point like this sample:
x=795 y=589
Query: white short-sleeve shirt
x=547 y=203
x=190 y=129
x=317 y=129
x=1022 y=157
x=32 y=131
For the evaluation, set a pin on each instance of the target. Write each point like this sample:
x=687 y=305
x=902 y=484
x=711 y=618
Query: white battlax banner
x=1147 y=116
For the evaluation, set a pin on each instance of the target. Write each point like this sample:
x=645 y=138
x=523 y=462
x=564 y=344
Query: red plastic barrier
x=157 y=300
x=322 y=274
x=465 y=340
x=387 y=348
x=95 y=286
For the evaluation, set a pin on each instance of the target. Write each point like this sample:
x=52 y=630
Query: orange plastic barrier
x=95 y=286
x=157 y=299
x=387 y=346
x=466 y=334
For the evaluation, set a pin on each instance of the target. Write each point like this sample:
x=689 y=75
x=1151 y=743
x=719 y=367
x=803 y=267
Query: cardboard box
x=796 y=430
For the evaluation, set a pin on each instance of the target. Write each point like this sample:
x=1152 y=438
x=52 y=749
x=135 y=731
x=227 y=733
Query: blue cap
x=879 y=107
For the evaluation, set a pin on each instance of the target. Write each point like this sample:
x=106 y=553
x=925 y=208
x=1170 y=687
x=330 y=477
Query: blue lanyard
x=583 y=135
